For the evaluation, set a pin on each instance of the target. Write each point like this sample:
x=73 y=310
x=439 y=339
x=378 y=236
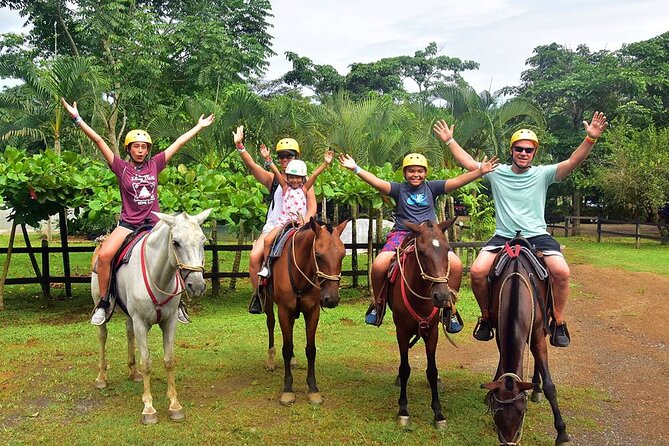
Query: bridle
x=320 y=278
x=180 y=286
x=400 y=253
x=496 y=405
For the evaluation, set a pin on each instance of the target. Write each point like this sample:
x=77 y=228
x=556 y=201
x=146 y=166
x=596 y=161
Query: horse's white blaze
x=435 y=243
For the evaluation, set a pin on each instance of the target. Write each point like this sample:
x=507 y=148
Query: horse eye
x=175 y=243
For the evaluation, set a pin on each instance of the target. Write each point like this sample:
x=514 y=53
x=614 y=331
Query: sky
x=498 y=34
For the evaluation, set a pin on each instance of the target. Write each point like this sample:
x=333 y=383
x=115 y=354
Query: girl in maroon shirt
x=138 y=182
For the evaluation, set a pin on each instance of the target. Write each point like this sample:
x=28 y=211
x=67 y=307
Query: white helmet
x=297 y=168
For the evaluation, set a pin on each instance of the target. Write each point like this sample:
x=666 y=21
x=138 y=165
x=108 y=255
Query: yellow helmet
x=524 y=134
x=288 y=144
x=414 y=159
x=137 y=136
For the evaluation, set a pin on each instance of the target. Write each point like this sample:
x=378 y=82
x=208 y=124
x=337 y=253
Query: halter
x=521 y=395
x=319 y=274
x=149 y=282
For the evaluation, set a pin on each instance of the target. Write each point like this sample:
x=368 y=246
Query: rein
x=180 y=284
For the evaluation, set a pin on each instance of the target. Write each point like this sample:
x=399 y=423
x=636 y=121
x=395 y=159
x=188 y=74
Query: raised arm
x=466 y=178
x=264 y=151
x=183 y=139
x=369 y=178
x=593 y=130
x=92 y=134
x=445 y=134
x=260 y=174
x=327 y=159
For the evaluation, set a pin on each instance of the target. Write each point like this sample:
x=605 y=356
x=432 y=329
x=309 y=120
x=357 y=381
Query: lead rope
x=443 y=279
x=519 y=434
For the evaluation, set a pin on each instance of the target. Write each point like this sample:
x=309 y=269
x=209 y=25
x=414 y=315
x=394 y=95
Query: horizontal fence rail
x=466 y=250
x=634 y=228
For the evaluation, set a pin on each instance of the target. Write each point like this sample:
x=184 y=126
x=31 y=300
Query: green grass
x=49 y=360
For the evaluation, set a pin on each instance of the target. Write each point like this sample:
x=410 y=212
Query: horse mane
x=328 y=226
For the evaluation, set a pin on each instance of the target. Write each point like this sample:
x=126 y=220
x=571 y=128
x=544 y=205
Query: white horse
x=167 y=262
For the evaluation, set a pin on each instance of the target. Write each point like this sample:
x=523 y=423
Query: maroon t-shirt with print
x=139 y=188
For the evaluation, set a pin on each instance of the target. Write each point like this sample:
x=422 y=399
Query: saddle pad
x=123 y=255
x=280 y=241
x=527 y=253
x=394 y=267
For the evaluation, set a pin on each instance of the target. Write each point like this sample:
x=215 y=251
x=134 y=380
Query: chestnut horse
x=520 y=305
x=420 y=289
x=304 y=278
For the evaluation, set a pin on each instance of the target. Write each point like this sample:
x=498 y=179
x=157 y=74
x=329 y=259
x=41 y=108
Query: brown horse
x=304 y=278
x=421 y=287
x=519 y=307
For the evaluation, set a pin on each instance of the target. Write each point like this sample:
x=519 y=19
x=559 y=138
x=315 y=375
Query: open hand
x=264 y=151
x=328 y=156
x=489 y=165
x=596 y=126
x=238 y=135
x=71 y=109
x=205 y=122
x=442 y=131
x=347 y=161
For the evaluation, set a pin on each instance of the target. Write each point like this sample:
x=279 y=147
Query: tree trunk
x=5 y=269
x=370 y=246
x=354 y=240
x=237 y=260
x=577 y=213
x=324 y=209
x=215 y=281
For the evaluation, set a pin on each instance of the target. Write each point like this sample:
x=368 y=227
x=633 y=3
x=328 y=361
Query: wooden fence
x=466 y=250
x=635 y=228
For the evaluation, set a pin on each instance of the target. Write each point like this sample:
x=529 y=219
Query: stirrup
x=452 y=321
x=182 y=313
x=483 y=330
x=102 y=312
x=255 y=305
x=559 y=334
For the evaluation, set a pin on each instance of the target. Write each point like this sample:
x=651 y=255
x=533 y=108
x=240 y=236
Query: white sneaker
x=182 y=317
x=99 y=317
x=264 y=272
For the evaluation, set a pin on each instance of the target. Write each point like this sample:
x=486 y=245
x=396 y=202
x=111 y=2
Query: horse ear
x=169 y=219
x=340 y=228
x=492 y=386
x=525 y=386
x=313 y=224
x=444 y=225
x=202 y=216
x=411 y=226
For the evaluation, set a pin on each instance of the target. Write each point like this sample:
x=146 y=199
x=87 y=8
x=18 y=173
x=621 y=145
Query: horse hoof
x=287 y=398
x=100 y=384
x=562 y=439
x=149 y=418
x=176 y=414
x=440 y=425
x=403 y=420
x=315 y=398
x=536 y=397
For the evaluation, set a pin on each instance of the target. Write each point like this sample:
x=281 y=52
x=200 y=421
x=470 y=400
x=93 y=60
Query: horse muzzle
x=442 y=295
x=329 y=299
x=195 y=284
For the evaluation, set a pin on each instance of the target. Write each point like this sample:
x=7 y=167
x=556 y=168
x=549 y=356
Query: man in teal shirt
x=519 y=192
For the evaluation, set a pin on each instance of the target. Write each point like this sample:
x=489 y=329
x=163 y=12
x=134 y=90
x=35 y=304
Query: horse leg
x=433 y=376
x=540 y=353
x=311 y=320
x=271 y=350
x=404 y=372
x=169 y=329
x=287 y=322
x=134 y=376
x=141 y=336
x=537 y=393
x=101 y=380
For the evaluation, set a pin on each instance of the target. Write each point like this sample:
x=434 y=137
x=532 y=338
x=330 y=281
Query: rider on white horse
x=138 y=183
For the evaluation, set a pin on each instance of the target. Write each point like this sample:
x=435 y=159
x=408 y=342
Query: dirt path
x=620 y=345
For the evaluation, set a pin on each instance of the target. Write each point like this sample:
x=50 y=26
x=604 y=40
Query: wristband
x=450 y=141
x=268 y=163
x=77 y=119
x=590 y=139
x=242 y=150
x=356 y=169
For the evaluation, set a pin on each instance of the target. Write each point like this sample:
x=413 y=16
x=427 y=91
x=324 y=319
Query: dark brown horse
x=519 y=308
x=304 y=278
x=420 y=288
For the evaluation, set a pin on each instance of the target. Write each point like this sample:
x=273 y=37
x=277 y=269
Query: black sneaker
x=483 y=330
x=255 y=307
x=559 y=335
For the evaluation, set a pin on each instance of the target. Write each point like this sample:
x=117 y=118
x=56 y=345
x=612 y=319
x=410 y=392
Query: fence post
x=215 y=283
x=636 y=234
x=62 y=223
x=566 y=226
x=46 y=273
x=599 y=230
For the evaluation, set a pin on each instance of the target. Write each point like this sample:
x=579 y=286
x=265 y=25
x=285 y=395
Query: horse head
x=507 y=401
x=186 y=242
x=431 y=248
x=328 y=253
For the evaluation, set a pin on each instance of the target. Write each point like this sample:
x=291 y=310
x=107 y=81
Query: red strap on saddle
x=509 y=250
x=145 y=276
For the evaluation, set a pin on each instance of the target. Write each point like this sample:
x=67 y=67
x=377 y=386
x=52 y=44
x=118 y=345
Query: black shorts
x=133 y=228
x=544 y=243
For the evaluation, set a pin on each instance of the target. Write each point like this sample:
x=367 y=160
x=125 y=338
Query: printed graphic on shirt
x=417 y=200
x=144 y=187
